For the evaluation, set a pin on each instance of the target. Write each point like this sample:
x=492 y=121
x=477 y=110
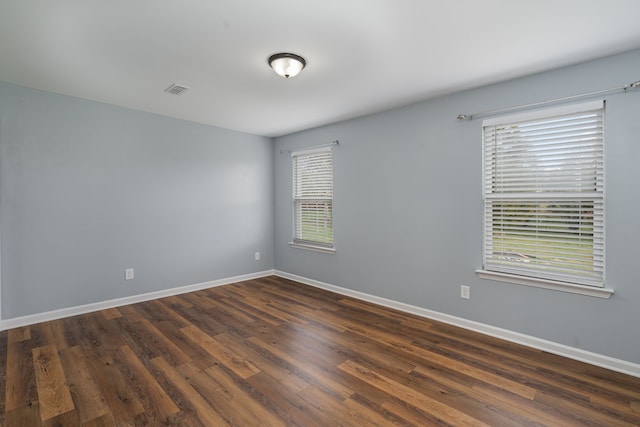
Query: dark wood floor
x=275 y=352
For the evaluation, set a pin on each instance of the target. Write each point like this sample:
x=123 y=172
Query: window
x=313 y=198
x=543 y=186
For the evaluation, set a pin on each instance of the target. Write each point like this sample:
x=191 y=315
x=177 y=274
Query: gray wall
x=408 y=211
x=89 y=189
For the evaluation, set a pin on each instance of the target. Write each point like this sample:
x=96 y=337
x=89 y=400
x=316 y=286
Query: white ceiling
x=363 y=56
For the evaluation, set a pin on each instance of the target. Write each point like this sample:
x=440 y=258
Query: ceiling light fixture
x=287 y=64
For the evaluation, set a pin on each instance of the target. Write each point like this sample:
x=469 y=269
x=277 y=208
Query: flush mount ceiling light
x=287 y=64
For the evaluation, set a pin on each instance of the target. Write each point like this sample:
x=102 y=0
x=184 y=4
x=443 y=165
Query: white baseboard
x=17 y=322
x=596 y=359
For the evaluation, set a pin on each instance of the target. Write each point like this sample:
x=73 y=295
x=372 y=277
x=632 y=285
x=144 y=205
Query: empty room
x=305 y=213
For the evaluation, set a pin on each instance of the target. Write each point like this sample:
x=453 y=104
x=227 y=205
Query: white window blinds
x=544 y=194
x=313 y=197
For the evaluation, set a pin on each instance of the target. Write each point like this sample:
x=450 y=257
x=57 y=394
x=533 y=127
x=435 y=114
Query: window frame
x=535 y=275
x=297 y=240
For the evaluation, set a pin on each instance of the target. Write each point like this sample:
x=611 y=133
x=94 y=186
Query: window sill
x=313 y=248
x=591 y=291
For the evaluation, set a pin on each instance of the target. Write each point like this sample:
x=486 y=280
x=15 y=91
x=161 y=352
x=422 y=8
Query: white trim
x=596 y=359
x=31 y=319
x=555 y=285
x=314 y=248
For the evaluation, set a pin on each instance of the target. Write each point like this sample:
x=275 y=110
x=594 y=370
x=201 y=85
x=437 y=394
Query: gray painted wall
x=408 y=211
x=89 y=189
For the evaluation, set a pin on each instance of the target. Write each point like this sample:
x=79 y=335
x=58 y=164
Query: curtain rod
x=624 y=88
x=330 y=144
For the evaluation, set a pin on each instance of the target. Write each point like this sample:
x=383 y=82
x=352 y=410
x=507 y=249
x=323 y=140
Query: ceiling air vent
x=176 y=89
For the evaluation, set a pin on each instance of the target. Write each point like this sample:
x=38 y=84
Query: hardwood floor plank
x=21 y=389
x=28 y=415
x=58 y=336
x=132 y=334
x=42 y=335
x=158 y=311
x=419 y=400
x=20 y=334
x=326 y=408
x=155 y=400
x=81 y=328
x=312 y=344
x=239 y=316
x=324 y=379
x=386 y=332
x=302 y=343
x=53 y=391
x=584 y=414
x=524 y=362
x=144 y=336
x=168 y=349
x=88 y=399
x=283 y=294
x=207 y=415
x=67 y=419
x=466 y=394
x=132 y=313
x=479 y=374
x=217 y=396
x=103 y=421
x=413 y=416
x=235 y=323
x=286 y=402
x=534 y=412
x=67 y=329
x=373 y=417
x=553 y=384
x=280 y=374
x=197 y=300
x=313 y=316
x=111 y=313
x=242 y=367
x=184 y=343
x=241 y=394
x=122 y=401
x=405 y=319
x=253 y=310
x=207 y=323
x=176 y=300
x=3 y=375
x=618 y=407
x=368 y=351
x=262 y=307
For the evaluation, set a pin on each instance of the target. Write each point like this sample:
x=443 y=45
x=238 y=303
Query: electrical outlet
x=257 y=256
x=128 y=274
x=465 y=292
